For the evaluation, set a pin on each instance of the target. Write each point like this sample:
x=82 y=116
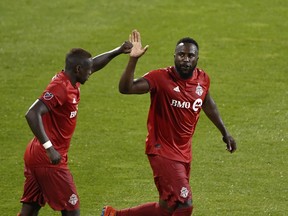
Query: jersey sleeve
x=54 y=95
x=152 y=78
x=207 y=80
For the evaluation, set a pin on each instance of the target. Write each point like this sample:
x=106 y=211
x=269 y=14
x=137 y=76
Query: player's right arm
x=100 y=61
x=127 y=83
x=34 y=119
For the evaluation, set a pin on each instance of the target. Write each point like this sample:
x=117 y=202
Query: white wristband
x=47 y=144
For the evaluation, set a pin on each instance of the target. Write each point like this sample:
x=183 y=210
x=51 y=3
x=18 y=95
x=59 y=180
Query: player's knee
x=185 y=204
x=71 y=213
x=29 y=209
x=184 y=209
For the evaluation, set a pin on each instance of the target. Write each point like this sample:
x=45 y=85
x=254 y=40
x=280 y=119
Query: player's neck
x=70 y=77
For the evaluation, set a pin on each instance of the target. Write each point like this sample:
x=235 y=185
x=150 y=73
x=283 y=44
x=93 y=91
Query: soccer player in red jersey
x=178 y=93
x=52 y=119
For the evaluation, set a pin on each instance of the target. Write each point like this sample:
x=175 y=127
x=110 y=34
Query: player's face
x=84 y=71
x=185 y=59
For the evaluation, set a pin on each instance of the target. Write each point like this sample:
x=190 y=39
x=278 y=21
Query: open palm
x=137 y=49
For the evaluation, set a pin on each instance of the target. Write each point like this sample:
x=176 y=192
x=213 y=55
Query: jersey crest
x=199 y=90
x=48 y=96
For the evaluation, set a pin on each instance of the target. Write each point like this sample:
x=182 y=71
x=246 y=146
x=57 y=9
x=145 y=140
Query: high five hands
x=137 y=49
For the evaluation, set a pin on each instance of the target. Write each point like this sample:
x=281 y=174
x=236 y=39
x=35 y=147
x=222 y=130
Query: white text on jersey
x=73 y=114
x=187 y=105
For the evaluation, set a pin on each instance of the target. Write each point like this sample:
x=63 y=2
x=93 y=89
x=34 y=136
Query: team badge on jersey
x=199 y=90
x=73 y=199
x=48 y=96
x=184 y=192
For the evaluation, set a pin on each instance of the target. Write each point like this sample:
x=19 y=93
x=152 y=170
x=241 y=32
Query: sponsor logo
x=181 y=104
x=176 y=89
x=48 y=96
x=187 y=105
x=73 y=199
x=74 y=101
x=73 y=114
x=184 y=192
x=197 y=104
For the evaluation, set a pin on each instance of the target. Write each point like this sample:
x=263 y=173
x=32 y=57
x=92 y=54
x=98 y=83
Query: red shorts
x=51 y=185
x=171 y=179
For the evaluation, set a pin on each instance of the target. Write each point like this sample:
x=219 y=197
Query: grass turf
x=243 y=47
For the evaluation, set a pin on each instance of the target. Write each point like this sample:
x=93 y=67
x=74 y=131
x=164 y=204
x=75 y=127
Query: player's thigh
x=172 y=180
x=32 y=194
x=58 y=188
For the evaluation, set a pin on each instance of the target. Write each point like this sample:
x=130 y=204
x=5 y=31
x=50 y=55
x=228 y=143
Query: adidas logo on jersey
x=176 y=89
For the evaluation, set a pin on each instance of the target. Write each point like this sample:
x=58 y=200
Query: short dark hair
x=76 y=56
x=188 y=40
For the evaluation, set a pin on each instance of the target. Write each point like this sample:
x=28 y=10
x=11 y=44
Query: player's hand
x=53 y=155
x=126 y=47
x=137 y=49
x=231 y=145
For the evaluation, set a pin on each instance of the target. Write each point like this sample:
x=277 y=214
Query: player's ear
x=78 y=68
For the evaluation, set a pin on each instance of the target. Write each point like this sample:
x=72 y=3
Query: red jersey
x=174 y=112
x=62 y=99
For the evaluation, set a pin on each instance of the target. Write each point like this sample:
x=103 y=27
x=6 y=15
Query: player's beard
x=185 y=75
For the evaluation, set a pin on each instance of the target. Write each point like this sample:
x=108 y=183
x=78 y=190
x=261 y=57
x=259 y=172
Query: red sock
x=183 y=211
x=151 y=209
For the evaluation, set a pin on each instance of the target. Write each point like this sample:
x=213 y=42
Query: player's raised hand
x=137 y=49
x=126 y=47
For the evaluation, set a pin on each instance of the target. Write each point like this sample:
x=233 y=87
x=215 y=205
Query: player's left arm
x=211 y=110
x=34 y=119
x=103 y=59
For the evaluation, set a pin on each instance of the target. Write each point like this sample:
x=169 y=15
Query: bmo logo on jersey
x=187 y=105
x=73 y=114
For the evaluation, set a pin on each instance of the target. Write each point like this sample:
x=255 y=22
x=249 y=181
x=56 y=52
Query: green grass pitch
x=244 y=49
